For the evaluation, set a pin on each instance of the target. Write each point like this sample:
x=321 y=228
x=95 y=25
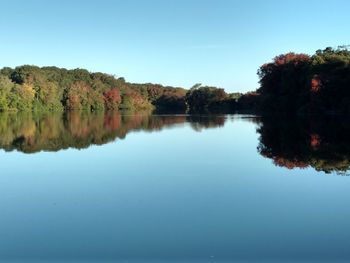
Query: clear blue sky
x=179 y=42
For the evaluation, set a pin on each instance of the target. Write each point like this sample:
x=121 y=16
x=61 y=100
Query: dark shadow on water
x=320 y=143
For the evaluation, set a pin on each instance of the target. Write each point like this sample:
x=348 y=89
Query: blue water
x=175 y=194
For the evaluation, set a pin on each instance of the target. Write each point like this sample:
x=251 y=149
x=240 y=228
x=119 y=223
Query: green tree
x=6 y=86
x=200 y=98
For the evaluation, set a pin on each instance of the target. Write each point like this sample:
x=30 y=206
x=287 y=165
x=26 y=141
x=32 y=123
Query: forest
x=305 y=85
x=31 y=88
x=292 y=83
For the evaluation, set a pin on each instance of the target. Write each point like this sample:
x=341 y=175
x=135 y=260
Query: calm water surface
x=140 y=188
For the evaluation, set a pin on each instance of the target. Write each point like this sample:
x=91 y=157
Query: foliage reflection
x=323 y=144
x=30 y=133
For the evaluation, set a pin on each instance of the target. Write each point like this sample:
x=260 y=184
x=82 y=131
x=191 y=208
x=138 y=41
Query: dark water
x=141 y=188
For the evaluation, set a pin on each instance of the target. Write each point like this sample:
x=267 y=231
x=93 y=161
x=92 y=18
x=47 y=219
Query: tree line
x=303 y=84
x=32 y=88
x=292 y=83
x=297 y=84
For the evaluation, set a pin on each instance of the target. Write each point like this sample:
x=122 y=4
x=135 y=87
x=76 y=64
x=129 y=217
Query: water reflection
x=323 y=144
x=30 y=133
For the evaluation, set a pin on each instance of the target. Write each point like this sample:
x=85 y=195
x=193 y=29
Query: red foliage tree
x=112 y=98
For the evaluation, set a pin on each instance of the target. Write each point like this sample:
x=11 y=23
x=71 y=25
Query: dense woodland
x=30 y=88
x=291 y=84
x=27 y=88
x=303 y=84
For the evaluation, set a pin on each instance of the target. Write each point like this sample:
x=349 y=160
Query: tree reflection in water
x=323 y=144
x=30 y=133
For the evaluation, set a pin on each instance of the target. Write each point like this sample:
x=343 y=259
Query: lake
x=182 y=188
